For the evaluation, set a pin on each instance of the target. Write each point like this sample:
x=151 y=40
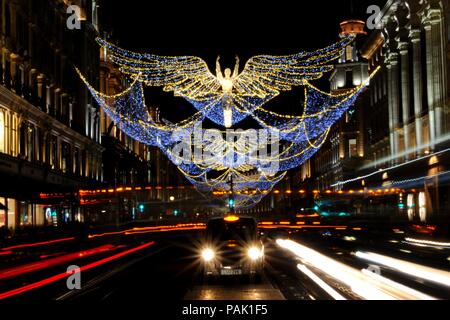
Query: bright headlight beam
x=413 y=269
x=333 y=293
x=208 y=255
x=254 y=253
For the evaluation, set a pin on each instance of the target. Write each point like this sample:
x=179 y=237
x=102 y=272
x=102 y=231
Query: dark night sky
x=226 y=28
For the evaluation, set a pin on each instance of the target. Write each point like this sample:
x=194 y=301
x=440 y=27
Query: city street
x=168 y=266
x=236 y=159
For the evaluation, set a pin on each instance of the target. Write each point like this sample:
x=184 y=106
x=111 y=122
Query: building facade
x=49 y=124
x=345 y=149
x=412 y=49
x=399 y=137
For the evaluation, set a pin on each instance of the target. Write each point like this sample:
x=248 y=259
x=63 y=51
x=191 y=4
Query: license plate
x=231 y=272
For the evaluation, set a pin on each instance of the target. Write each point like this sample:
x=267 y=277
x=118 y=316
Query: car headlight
x=208 y=255
x=255 y=253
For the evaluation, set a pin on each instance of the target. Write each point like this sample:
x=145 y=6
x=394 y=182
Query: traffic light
x=175 y=212
x=231 y=203
x=141 y=207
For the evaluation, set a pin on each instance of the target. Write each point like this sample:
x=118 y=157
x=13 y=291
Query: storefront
x=16 y=214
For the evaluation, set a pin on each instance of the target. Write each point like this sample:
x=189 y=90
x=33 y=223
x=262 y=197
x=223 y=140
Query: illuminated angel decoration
x=230 y=97
x=227 y=98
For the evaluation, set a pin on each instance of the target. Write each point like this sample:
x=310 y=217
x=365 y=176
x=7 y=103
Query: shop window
x=422 y=207
x=3 y=212
x=411 y=204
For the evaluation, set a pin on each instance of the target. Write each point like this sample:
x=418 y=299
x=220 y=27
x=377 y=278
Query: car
x=232 y=247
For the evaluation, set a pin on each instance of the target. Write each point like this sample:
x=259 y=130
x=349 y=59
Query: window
x=31 y=143
x=53 y=152
x=27 y=141
x=14 y=136
x=349 y=53
x=2 y=131
x=65 y=157
x=352 y=149
x=3 y=212
x=76 y=157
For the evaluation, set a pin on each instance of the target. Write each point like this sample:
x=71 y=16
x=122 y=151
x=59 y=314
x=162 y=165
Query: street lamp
x=172 y=198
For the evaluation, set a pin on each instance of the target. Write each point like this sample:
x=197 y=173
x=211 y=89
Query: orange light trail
x=37 y=244
x=178 y=227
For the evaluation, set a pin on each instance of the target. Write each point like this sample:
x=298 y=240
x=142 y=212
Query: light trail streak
x=333 y=293
x=177 y=227
x=428 y=242
x=431 y=274
x=398 y=286
x=63 y=275
x=341 y=183
x=361 y=284
x=51 y=262
x=44 y=243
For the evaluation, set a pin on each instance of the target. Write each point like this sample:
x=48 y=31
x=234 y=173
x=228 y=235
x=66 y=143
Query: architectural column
x=404 y=56
x=430 y=91
x=393 y=102
x=418 y=93
x=438 y=70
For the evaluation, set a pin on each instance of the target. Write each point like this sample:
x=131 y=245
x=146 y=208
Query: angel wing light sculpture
x=227 y=98
x=232 y=96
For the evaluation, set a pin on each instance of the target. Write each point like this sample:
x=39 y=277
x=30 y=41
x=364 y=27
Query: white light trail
x=320 y=282
x=413 y=269
x=398 y=286
x=363 y=285
x=341 y=183
x=431 y=243
x=406 y=152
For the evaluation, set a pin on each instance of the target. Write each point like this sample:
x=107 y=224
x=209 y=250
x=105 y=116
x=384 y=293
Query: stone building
x=404 y=127
x=49 y=124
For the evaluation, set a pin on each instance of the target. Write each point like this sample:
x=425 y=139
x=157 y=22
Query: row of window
x=30 y=142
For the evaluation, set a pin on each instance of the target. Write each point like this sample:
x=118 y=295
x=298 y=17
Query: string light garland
x=227 y=100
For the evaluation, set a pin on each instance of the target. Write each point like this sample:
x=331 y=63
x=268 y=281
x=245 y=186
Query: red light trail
x=63 y=275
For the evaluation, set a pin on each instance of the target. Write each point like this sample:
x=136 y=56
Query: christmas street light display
x=207 y=159
x=230 y=96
